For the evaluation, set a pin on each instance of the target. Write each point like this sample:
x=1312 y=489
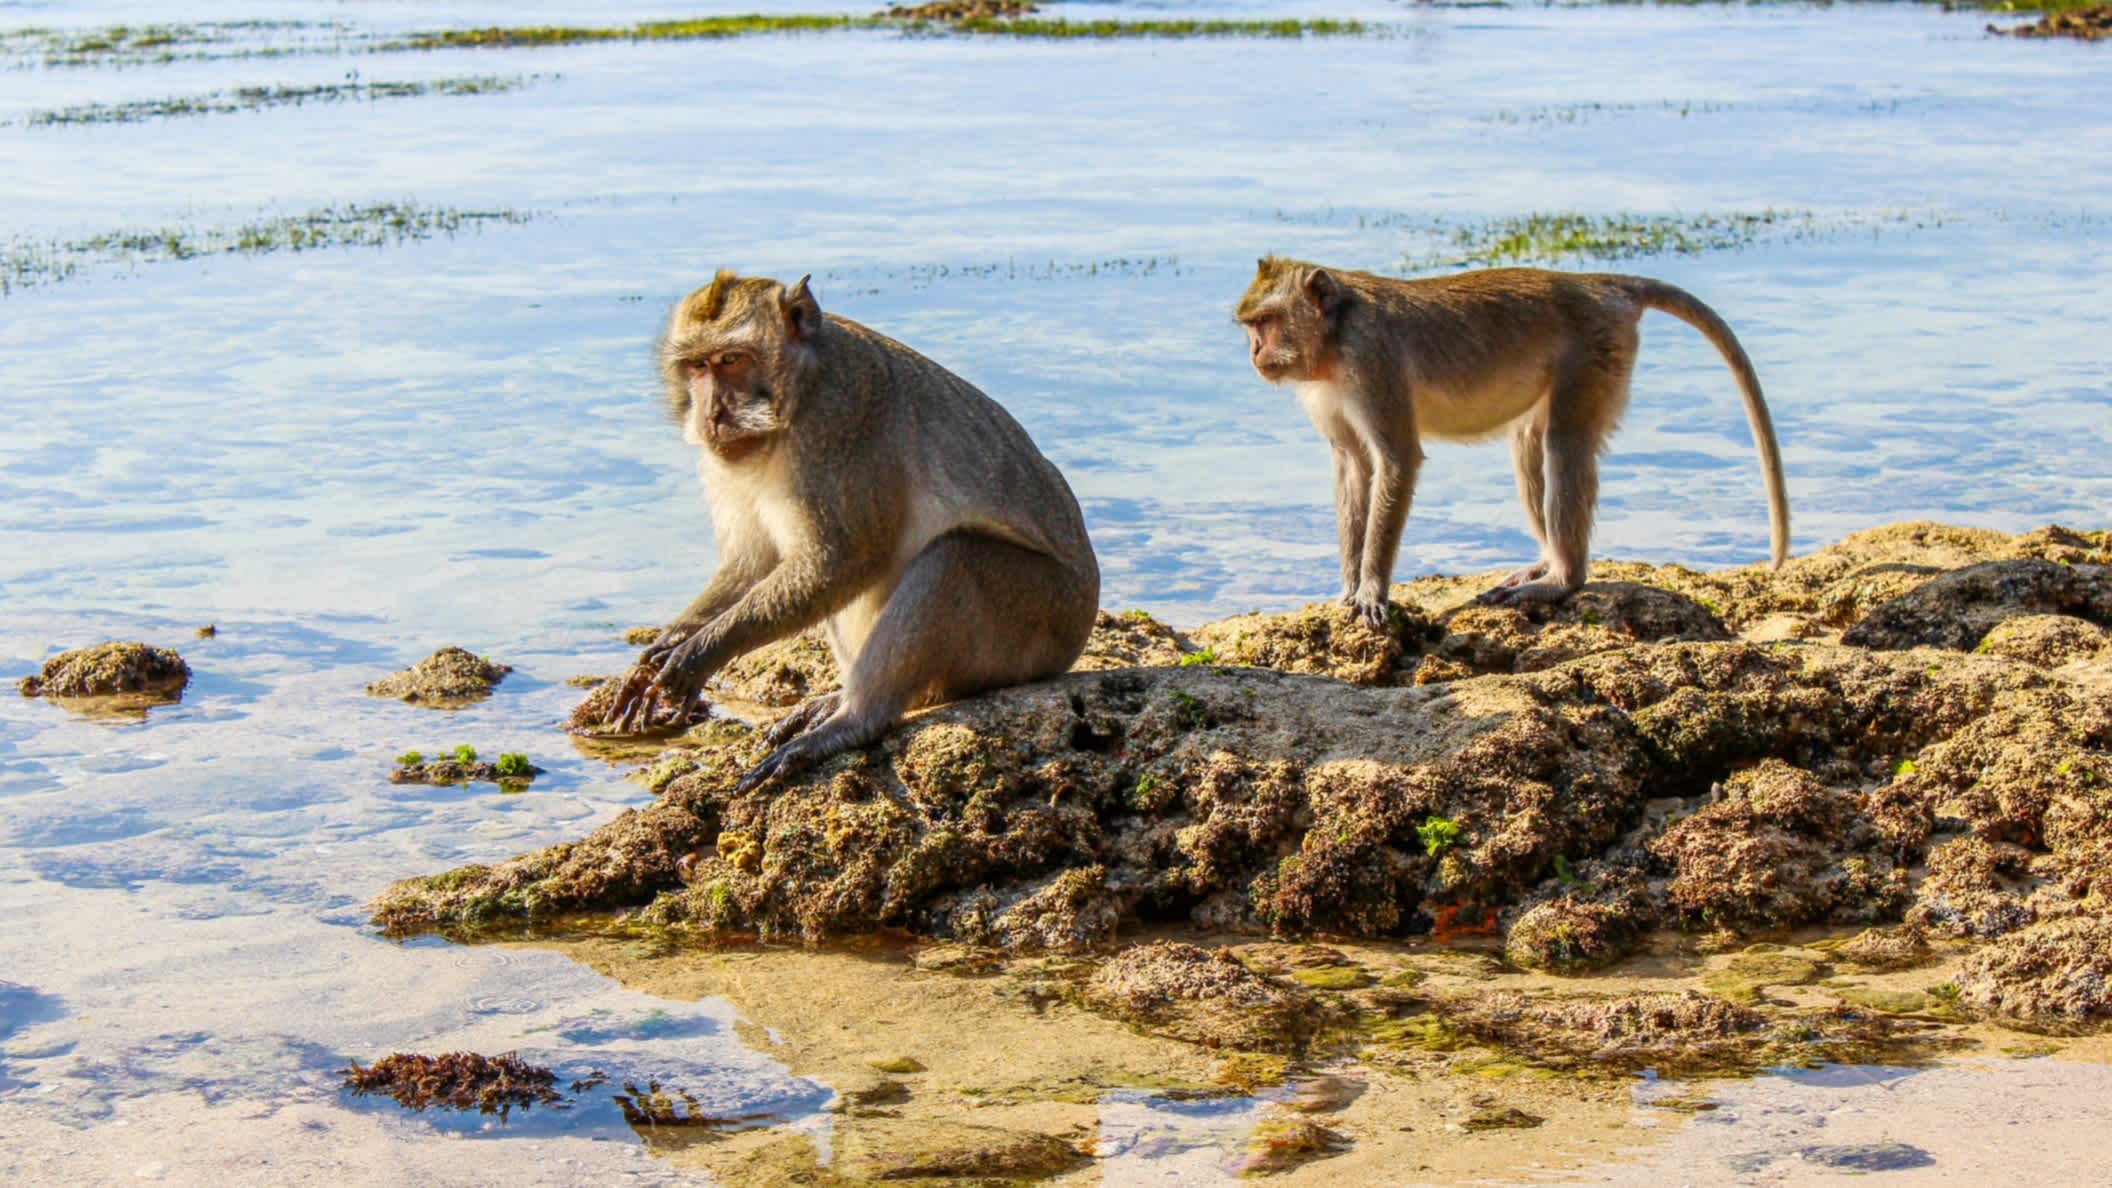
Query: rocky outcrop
x=1705 y=753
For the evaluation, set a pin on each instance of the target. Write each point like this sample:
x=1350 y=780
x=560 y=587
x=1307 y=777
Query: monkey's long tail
x=1688 y=308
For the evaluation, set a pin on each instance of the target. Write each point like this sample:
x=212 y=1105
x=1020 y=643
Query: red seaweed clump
x=456 y=1081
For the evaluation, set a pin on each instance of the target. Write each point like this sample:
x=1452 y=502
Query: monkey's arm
x=798 y=593
x=1352 y=498
x=737 y=574
x=1396 y=459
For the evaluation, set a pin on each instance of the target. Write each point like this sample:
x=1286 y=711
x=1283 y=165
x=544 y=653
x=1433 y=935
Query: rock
x=2054 y=976
x=1780 y=848
x=1131 y=639
x=1323 y=639
x=1501 y=1118
x=2047 y=641
x=447 y=679
x=1737 y=786
x=446 y=772
x=1859 y=1158
x=1676 y=1030
x=885 y=1149
x=1202 y=997
x=1958 y=609
x=784 y=673
x=1280 y=1143
x=155 y=675
x=1596 y=922
x=1884 y=949
x=2082 y=24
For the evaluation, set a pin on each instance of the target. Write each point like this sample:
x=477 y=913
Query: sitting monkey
x=852 y=481
x=1379 y=364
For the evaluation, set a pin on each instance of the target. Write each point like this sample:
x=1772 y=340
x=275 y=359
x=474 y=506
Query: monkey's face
x=1289 y=314
x=733 y=406
x=734 y=358
x=1270 y=348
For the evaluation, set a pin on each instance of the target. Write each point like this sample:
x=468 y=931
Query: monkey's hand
x=645 y=688
x=678 y=675
x=637 y=700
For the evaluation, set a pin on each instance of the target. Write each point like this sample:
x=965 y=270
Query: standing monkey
x=1380 y=364
x=852 y=481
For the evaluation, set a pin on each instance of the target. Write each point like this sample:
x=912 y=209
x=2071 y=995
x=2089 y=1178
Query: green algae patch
x=1555 y=238
x=1110 y=29
x=25 y=262
x=695 y=29
x=758 y=24
x=159 y=43
x=260 y=98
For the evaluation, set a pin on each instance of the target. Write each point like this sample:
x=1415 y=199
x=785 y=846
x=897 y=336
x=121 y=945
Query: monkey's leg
x=1395 y=464
x=1529 y=459
x=970 y=613
x=1352 y=499
x=1581 y=413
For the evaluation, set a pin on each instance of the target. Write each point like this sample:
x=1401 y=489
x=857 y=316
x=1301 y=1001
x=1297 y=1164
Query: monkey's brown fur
x=1381 y=363
x=854 y=481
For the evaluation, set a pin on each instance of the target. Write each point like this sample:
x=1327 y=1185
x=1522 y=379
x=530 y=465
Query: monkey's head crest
x=1292 y=312
x=736 y=358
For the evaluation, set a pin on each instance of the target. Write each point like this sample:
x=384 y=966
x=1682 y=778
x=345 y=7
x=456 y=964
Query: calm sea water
x=347 y=458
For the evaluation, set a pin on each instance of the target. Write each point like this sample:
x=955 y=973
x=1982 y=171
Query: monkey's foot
x=1543 y=590
x=1374 y=611
x=790 y=759
x=813 y=710
x=1535 y=571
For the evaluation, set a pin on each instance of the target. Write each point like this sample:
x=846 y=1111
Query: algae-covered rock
x=886 y=1150
x=447 y=679
x=2047 y=641
x=1614 y=764
x=1202 y=997
x=1131 y=639
x=1595 y=920
x=1324 y=639
x=1780 y=848
x=111 y=670
x=2055 y=975
x=1685 y=1031
x=1958 y=609
x=2089 y=23
x=784 y=673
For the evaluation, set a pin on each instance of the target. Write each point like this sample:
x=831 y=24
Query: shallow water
x=346 y=458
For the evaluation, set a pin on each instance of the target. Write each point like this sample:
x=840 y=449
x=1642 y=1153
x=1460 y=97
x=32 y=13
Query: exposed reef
x=131 y=671
x=1913 y=726
x=2092 y=23
x=447 y=679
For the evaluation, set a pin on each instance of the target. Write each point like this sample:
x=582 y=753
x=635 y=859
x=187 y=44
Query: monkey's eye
x=732 y=359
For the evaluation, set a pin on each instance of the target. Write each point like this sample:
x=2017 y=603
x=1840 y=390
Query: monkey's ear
x=802 y=312
x=1326 y=291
